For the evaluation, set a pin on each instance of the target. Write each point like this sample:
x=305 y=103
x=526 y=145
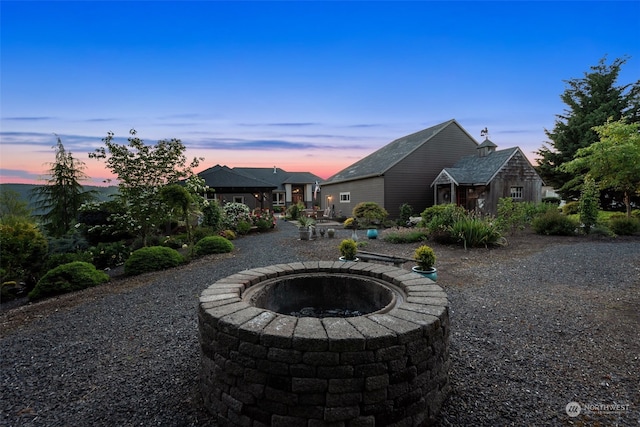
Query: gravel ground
x=536 y=324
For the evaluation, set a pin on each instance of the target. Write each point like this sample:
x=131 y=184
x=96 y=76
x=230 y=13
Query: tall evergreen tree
x=591 y=101
x=61 y=198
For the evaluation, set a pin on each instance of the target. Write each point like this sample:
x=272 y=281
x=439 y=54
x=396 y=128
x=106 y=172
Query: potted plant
x=304 y=226
x=353 y=224
x=371 y=215
x=348 y=249
x=425 y=257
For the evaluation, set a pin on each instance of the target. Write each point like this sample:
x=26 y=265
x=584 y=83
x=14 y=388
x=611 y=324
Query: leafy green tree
x=179 y=199
x=590 y=101
x=589 y=204
x=613 y=161
x=12 y=207
x=142 y=170
x=61 y=198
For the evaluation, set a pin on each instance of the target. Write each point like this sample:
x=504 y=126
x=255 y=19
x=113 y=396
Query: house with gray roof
x=265 y=188
x=478 y=181
x=400 y=172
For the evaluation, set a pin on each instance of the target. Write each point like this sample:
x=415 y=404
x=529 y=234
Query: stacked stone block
x=261 y=368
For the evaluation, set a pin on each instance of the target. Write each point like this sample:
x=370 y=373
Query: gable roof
x=280 y=177
x=218 y=177
x=380 y=161
x=476 y=170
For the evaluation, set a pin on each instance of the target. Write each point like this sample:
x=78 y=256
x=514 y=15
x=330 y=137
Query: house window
x=278 y=199
x=238 y=199
x=516 y=192
x=345 y=197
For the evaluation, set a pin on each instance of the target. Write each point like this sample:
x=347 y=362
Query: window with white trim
x=516 y=192
x=278 y=199
x=345 y=197
x=238 y=199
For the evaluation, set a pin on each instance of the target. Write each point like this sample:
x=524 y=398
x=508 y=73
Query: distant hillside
x=24 y=190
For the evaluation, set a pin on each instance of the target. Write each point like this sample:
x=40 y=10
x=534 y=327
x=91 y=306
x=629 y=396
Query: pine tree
x=61 y=198
x=591 y=101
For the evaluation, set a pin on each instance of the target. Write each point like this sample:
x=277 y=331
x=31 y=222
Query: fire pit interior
x=324 y=343
x=322 y=295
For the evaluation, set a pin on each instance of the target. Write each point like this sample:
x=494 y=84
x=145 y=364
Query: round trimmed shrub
x=553 y=223
x=56 y=260
x=152 y=258
x=213 y=245
x=624 y=226
x=70 y=277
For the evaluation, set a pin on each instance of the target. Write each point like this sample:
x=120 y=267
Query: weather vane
x=485 y=132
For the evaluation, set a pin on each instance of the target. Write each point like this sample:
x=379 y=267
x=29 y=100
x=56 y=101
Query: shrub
x=405 y=236
x=624 y=226
x=554 y=223
x=263 y=224
x=69 y=243
x=243 y=227
x=55 y=260
x=234 y=213
x=551 y=200
x=571 y=208
x=173 y=242
x=474 y=232
x=406 y=211
x=512 y=216
x=350 y=223
x=348 y=249
x=369 y=213
x=425 y=257
x=65 y=278
x=152 y=258
x=107 y=255
x=213 y=245
x=228 y=234
x=105 y=221
x=443 y=214
x=212 y=215
x=439 y=219
x=199 y=233
x=589 y=204
x=293 y=211
x=22 y=251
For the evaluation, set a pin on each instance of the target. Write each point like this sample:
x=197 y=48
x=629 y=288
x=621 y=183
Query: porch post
x=453 y=193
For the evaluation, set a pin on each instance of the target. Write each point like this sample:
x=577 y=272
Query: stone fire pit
x=320 y=343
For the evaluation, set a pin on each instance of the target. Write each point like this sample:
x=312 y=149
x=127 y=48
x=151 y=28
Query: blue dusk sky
x=305 y=86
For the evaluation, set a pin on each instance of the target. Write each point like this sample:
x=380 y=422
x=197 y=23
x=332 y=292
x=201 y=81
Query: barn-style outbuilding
x=477 y=182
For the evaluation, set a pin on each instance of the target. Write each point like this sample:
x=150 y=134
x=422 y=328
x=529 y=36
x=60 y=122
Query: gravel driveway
x=533 y=328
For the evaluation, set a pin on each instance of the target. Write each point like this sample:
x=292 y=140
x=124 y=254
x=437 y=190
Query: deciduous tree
x=142 y=170
x=614 y=160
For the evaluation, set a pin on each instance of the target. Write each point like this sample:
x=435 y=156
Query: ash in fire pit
x=325 y=312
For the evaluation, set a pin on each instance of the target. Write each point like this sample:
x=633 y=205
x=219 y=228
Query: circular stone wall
x=260 y=366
